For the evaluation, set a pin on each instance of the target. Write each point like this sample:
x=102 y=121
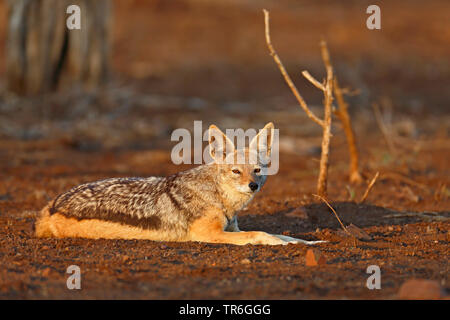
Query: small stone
x=354 y=231
x=314 y=258
x=420 y=289
x=358 y=232
x=245 y=261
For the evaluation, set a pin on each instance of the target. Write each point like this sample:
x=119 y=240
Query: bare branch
x=325 y=54
x=337 y=217
x=288 y=80
x=369 y=187
x=328 y=102
x=342 y=113
x=383 y=128
x=327 y=89
x=311 y=79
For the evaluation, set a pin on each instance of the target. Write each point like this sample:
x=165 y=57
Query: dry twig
x=342 y=113
x=311 y=79
x=327 y=89
x=328 y=100
x=337 y=217
x=369 y=187
x=286 y=75
x=383 y=128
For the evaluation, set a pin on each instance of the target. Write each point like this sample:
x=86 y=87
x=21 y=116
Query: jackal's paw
x=311 y=242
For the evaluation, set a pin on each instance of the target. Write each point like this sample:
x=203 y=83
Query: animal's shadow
x=317 y=215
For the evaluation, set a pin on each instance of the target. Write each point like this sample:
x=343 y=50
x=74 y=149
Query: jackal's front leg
x=233 y=225
x=211 y=228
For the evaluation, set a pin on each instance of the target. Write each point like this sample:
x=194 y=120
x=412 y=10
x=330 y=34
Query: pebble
x=420 y=289
x=314 y=258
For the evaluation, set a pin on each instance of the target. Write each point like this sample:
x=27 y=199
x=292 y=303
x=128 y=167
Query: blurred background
x=138 y=69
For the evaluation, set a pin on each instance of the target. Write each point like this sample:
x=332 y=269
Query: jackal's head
x=242 y=170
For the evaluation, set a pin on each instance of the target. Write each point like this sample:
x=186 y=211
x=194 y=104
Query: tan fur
x=43 y=225
x=59 y=226
x=200 y=204
x=210 y=228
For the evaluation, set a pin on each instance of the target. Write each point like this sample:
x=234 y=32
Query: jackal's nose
x=253 y=186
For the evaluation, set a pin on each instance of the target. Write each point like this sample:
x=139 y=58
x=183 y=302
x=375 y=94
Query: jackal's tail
x=43 y=226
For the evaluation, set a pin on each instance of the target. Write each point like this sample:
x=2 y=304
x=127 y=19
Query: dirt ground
x=181 y=71
x=404 y=247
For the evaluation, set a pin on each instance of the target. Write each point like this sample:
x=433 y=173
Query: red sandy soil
x=404 y=247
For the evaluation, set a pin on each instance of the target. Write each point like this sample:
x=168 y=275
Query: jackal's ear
x=219 y=144
x=262 y=142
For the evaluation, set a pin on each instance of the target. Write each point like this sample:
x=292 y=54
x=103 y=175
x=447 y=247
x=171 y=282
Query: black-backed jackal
x=195 y=205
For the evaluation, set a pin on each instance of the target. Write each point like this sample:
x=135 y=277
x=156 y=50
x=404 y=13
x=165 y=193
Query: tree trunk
x=42 y=54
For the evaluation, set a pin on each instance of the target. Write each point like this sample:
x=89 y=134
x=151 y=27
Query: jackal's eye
x=236 y=171
x=257 y=170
